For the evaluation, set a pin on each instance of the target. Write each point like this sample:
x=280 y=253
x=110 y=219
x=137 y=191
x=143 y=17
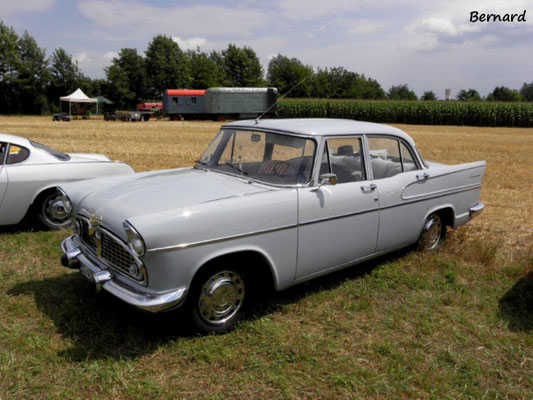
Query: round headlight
x=135 y=241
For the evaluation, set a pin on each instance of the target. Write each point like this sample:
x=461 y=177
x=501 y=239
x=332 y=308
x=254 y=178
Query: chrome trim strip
x=467 y=189
x=314 y=221
x=182 y=246
x=441 y=192
x=221 y=239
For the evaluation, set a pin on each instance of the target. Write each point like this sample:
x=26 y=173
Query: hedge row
x=412 y=112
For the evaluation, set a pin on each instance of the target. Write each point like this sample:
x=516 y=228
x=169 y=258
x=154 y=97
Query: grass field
x=456 y=324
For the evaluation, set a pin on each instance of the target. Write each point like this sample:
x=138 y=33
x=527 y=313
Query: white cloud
x=109 y=55
x=82 y=58
x=445 y=24
x=8 y=8
x=193 y=43
x=313 y=9
x=362 y=26
x=143 y=20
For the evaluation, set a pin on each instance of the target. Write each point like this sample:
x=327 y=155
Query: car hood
x=142 y=194
x=84 y=157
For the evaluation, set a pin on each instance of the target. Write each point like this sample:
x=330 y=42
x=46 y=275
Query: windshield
x=52 y=152
x=265 y=156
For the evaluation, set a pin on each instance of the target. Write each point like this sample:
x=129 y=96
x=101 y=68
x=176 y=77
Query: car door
x=394 y=168
x=337 y=223
x=14 y=191
x=3 y=173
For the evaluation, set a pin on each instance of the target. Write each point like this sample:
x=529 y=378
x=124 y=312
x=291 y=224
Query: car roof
x=321 y=127
x=18 y=140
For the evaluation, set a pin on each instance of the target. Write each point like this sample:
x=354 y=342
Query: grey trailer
x=236 y=102
x=181 y=103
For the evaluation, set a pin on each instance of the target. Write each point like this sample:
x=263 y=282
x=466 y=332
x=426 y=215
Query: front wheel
x=432 y=233
x=217 y=300
x=52 y=212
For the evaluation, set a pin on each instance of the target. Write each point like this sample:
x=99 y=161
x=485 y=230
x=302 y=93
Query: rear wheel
x=52 y=212
x=432 y=233
x=217 y=299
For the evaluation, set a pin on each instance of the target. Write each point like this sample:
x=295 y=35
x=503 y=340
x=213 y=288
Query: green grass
x=456 y=324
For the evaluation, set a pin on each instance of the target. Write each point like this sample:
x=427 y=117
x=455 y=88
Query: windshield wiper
x=200 y=162
x=239 y=170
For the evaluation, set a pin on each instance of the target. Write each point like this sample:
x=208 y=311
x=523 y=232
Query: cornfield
x=412 y=112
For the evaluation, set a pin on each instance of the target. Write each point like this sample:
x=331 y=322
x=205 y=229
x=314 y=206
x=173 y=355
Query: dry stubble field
x=455 y=324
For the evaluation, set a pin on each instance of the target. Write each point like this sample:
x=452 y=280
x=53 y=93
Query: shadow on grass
x=24 y=226
x=516 y=306
x=102 y=327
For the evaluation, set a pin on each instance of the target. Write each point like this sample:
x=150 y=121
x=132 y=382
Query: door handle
x=369 y=188
x=423 y=176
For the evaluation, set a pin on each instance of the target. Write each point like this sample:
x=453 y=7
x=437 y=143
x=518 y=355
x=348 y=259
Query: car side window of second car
x=408 y=161
x=389 y=157
x=17 y=154
x=385 y=159
x=343 y=157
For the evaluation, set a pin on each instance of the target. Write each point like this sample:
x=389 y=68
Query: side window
x=342 y=157
x=193 y=100
x=174 y=100
x=385 y=157
x=17 y=154
x=407 y=158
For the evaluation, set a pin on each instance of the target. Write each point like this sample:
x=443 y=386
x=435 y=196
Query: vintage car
x=270 y=204
x=30 y=174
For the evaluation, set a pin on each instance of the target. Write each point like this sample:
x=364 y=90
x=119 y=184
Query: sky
x=429 y=45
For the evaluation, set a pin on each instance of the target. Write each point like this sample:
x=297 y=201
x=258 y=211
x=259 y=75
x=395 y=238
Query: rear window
x=52 y=152
x=17 y=154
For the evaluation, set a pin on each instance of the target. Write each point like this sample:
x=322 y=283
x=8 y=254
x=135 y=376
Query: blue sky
x=430 y=45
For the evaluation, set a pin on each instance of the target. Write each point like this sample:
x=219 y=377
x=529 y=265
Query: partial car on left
x=30 y=174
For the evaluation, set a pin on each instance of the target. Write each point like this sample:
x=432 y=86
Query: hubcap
x=54 y=210
x=221 y=297
x=432 y=232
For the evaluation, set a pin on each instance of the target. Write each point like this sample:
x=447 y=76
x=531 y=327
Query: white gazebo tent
x=78 y=97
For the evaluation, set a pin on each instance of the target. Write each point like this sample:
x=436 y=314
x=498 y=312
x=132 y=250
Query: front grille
x=113 y=252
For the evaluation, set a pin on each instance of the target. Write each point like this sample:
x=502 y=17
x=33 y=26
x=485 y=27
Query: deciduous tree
x=290 y=74
x=468 y=95
x=127 y=79
x=428 y=95
x=401 y=92
x=167 y=66
x=241 y=67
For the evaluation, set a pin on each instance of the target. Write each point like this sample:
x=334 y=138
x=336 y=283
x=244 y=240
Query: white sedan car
x=271 y=203
x=30 y=174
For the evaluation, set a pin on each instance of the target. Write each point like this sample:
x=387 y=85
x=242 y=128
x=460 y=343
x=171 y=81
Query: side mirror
x=325 y=179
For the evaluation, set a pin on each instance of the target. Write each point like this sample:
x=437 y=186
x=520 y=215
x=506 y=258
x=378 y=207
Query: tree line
x=31 y=82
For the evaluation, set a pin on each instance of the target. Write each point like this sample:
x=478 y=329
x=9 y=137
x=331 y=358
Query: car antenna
x=282 y=97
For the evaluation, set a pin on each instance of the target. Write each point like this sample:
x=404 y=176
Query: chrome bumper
x=105 y=279
x=476 y=209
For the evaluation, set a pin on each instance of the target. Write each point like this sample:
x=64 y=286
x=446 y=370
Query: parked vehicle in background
x=150 y=107
x=30 y=174
x=219 y=103
x=270 y=204
x=61 y=117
